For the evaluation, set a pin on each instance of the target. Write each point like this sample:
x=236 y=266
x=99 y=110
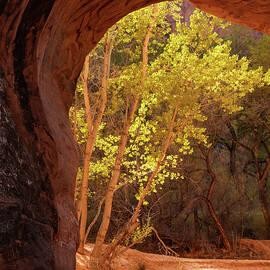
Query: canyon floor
x=136 y=260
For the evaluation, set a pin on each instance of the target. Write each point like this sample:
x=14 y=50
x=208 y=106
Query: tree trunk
x=209 y=195
x=214 y=217
x=93 y=126
x=113 y=182
x=82 y=204
x=95 y=219
x=97 y=251
x=133 y=222
x=218 y=224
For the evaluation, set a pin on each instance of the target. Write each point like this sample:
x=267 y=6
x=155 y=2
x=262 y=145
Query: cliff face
x=254 y=14
x=42 y=49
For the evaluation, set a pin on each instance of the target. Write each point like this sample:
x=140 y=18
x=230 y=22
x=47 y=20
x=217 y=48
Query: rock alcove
x=42 y=49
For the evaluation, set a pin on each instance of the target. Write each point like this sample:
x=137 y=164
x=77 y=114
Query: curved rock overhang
x=42 y=49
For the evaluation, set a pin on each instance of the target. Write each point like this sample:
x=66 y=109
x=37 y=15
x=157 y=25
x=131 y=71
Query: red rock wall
x=252 y=13
x=42 y=49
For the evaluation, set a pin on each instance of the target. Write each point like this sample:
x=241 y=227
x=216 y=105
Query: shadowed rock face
x=42 y=49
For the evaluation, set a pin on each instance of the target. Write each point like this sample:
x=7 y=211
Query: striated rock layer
x=42 y=49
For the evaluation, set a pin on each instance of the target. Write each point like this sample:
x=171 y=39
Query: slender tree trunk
x=146 y=42
x=82 y=205
x=113 y=182
x=93 y=126
x=84 y=183
x=98 y=213
x=97 y=251
x=219 y=225
x=168 y=142
x=133 y=222
x=208 y=199
x=95 y=219
x=214 y=217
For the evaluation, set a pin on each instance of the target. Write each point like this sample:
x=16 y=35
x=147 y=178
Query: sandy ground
x=132 y=259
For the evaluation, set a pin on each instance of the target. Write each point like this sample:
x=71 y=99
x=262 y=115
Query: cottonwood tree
x=194 y=70
x=93 y=114
x=133 y=94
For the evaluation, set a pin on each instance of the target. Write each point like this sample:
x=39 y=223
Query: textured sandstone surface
x=252 y=13
x=42 y=49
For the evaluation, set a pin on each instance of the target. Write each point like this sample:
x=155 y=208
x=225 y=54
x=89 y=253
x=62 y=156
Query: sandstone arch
x=42 y=48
